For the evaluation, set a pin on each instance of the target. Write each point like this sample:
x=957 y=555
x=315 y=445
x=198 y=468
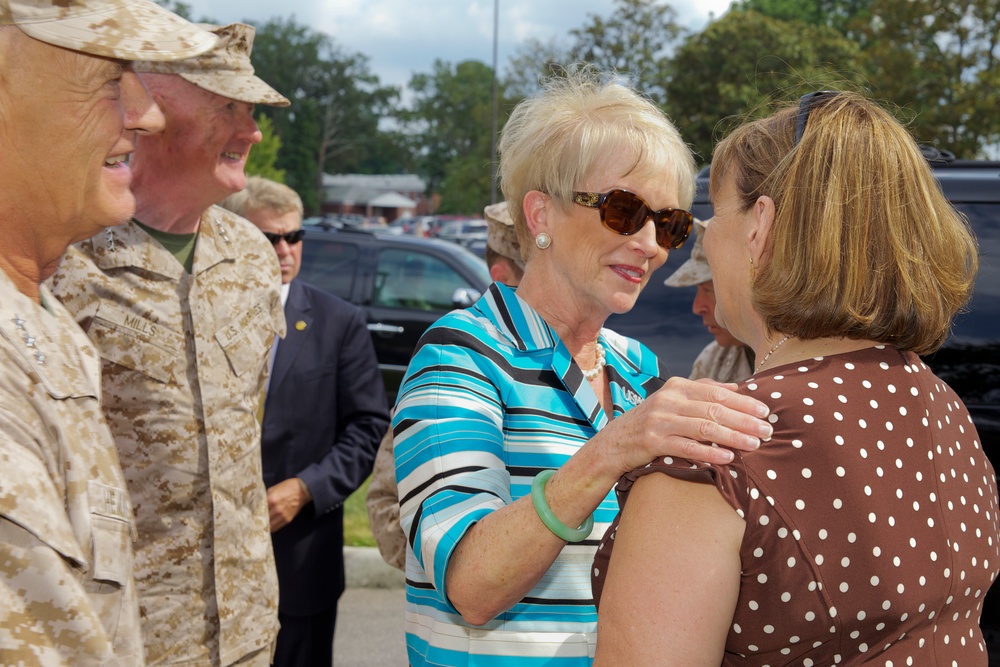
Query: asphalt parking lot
x=370 y=613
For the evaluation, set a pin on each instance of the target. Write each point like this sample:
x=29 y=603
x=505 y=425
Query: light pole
x=493 y=127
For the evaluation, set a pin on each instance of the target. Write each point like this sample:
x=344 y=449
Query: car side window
x=414 y=279
x=330 y=265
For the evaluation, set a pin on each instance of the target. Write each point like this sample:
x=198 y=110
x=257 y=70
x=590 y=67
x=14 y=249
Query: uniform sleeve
x=46 y=616
x=450 y=461
x=382 y=502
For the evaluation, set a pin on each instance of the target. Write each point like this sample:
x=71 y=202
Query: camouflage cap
x=122 y=29
x=500 y=234
x=226 y=69
x=695 y=270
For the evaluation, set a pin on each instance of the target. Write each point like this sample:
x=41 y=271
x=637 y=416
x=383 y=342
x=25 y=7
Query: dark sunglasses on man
x=291 y=238
x=625 y=213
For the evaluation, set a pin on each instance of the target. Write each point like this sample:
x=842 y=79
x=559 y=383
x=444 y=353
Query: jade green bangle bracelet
x=558 y=528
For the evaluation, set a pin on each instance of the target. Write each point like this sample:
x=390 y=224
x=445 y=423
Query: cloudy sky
x=402 y=37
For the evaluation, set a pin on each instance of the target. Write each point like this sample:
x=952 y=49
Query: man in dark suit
x=323 y=418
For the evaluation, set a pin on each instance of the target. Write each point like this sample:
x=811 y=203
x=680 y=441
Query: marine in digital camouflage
x=184 y=362
x=67 y=595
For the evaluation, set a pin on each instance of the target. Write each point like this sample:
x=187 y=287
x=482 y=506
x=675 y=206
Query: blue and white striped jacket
x=492 y=397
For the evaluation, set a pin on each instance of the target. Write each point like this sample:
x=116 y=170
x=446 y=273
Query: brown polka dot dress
x=871 y=518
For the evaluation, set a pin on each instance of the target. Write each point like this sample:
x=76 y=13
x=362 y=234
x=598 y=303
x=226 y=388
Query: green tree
x=450 y=121
x=742 y=63
x=633 y=41
x=531 y=62
x=935 y=59
x=337 y=105
x=842 y=15
x=180 y=8
x=264 y=155
x=938 y=61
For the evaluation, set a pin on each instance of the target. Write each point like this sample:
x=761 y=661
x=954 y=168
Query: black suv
x=403 y=284
x=969 y=361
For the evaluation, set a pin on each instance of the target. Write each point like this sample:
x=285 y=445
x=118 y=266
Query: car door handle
x=385 y=328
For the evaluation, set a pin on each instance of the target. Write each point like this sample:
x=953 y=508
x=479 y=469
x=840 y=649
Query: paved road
x=370 y=628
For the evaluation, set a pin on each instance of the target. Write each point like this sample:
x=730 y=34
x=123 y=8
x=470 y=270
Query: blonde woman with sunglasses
x=518 y=415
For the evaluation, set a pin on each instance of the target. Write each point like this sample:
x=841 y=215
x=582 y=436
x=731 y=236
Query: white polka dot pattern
x=872 y=531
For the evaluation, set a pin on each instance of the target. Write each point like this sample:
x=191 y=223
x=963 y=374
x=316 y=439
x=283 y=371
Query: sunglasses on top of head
x=806 y=104
x=291 y=238
x=625 y=213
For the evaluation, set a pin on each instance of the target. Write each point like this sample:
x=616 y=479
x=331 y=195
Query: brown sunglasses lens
x=673 y=229
x=625 y=213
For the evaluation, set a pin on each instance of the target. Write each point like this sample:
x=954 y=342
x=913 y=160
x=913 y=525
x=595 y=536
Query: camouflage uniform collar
x=47 y=344
x=129 y=245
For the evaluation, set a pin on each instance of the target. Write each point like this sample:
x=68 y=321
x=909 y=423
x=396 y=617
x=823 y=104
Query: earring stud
x=543 y=241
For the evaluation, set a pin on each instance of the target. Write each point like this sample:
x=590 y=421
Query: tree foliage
x=450 y=120
x=264 y=155
x=938 y=60
x=633 y=41
x=337 y=104
x=532 y=62
x=935 y=59
x=840 y=15
x=744 y=62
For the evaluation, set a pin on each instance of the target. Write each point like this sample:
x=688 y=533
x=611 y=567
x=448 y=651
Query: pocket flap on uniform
x=244 y=339
x=136 y=342
x=30 y=499
x=111 y=523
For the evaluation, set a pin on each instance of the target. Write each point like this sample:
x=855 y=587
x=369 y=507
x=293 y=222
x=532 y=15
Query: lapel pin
x=632 y=397
x=300 y=326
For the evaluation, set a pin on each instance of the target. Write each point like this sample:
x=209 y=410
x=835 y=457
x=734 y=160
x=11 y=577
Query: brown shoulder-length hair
x=864 y=244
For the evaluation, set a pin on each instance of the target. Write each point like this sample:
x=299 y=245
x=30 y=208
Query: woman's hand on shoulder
x=678 y=418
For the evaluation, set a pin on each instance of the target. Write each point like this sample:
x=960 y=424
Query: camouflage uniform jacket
x=722 y=364
x=67 y=595
x=184 y=362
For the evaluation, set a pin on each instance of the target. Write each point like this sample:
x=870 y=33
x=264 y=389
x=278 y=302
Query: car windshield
x=475 y=263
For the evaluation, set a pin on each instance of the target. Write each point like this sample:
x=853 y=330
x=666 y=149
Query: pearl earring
x=543 y=241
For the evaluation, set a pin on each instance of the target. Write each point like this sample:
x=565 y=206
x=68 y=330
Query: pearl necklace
x=768 y=355
x=601 y=363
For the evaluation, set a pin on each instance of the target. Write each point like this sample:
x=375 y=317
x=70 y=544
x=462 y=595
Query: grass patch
x=357 y=530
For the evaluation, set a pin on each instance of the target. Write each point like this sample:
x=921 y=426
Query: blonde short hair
x=864 y=244
x=262 y=193
x=552 y=142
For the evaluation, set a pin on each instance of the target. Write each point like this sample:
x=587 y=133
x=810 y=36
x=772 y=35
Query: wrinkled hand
x=681 y=415
x=284 y=500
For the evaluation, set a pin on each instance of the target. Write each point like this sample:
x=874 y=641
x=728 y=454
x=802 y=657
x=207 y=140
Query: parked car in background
x=463 y=232
x=403 y=283
x=409 y=225
x=969 y=361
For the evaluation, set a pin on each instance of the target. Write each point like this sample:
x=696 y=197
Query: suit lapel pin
x=300 y=326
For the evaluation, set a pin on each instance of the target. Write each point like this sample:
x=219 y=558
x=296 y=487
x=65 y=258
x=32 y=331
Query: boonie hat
x=122 y=29
x=225 y=70
x=695 y=270
x=500 y=234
